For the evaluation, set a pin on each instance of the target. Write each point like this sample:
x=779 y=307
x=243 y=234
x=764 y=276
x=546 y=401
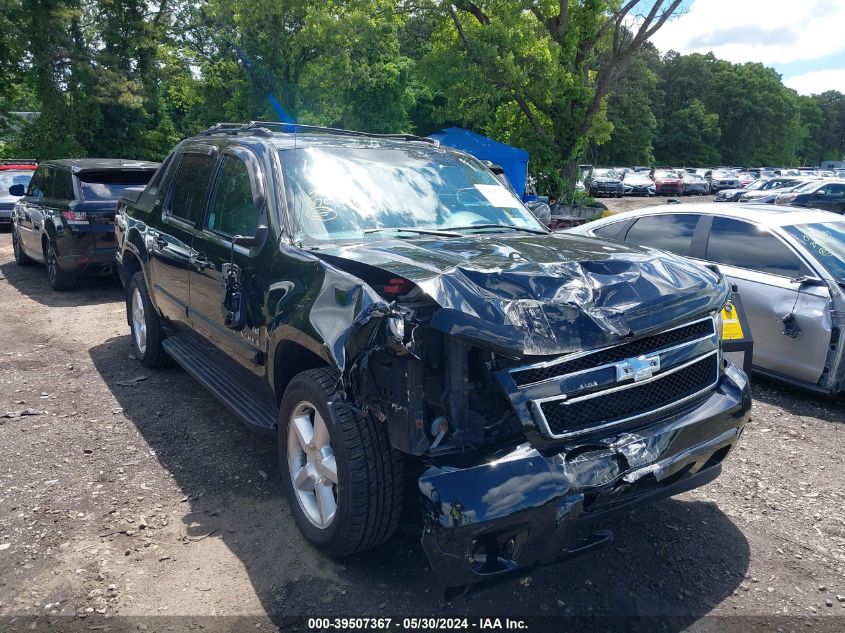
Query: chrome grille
x=591 y=391
x=678 y=336
x=614 y=406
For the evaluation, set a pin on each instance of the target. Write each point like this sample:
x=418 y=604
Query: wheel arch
x=291 y=354
x=130 y=264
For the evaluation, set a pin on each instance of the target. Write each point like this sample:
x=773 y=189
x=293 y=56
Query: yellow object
x=731 y=327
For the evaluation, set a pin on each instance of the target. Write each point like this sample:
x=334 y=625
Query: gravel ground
x=132 y=493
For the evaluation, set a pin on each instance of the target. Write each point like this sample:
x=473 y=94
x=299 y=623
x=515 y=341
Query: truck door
x=169 y=242
x=236 y=207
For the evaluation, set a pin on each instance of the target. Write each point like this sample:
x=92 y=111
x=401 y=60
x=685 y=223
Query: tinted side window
x=63 y=185
x=610 y=231
x=835 y=189
x=233 y=211
x=189 y=186
x=740 y=244
x=671 y=232
x=36 y=185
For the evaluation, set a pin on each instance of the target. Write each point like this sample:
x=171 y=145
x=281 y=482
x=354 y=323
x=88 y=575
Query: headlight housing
x=719 y=325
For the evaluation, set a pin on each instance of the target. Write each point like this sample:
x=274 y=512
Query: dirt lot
x=131 y=493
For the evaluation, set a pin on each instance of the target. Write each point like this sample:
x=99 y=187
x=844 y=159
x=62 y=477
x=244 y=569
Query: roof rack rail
x=265 y=128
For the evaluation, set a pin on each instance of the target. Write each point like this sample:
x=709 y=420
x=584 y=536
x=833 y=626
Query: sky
x=803 y=40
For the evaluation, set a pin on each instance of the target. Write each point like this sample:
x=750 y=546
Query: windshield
x=756 y=185
x=826 y=241
x=9 y=178
x=661 y=173
x=341 y=193
x=605 y=173
x=804 y=187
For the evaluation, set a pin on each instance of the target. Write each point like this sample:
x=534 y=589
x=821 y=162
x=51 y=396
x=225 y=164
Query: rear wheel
x=59 y=279
x=21 y=258
x=145 y=324
x=341 y=476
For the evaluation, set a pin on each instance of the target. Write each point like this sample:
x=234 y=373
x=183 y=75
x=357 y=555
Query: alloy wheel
x=312 y=465
x=139 y=322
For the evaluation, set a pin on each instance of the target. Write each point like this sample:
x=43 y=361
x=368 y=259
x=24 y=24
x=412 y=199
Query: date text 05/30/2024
x=414 y=624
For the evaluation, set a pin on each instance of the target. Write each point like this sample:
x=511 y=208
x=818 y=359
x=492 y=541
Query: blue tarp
x=512 y=159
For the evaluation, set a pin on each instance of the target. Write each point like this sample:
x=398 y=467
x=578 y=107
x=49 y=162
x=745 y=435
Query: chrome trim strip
x=541 y=417
x=665 y=350
x=576 y=355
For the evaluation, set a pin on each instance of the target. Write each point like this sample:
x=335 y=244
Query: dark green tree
x=555 y=62
x=690 y=136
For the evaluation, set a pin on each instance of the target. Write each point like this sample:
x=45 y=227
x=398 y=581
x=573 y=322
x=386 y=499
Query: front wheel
x=21 y=258
x=58 y=279
x=341 y=476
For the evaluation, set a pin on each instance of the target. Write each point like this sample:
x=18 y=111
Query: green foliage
x=630 y=112
x=131 y=78
x=690 y=136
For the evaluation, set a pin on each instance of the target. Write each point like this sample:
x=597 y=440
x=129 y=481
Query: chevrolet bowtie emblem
x=640 y=368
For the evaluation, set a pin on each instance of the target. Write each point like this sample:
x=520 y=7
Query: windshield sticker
x=319 y=211
x=498 y=196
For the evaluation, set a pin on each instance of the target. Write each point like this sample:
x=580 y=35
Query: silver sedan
x=788 y=265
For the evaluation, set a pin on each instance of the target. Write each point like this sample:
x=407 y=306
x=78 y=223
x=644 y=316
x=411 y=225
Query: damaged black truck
x=393 y=314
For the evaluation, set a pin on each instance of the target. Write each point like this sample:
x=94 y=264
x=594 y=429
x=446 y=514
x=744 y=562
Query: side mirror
x=820 y=194
x=17 y=190
x=806 y=280
x=251 y=240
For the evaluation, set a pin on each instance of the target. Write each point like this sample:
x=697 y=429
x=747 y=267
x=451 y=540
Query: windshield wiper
x=497 y=226
x=410 y=230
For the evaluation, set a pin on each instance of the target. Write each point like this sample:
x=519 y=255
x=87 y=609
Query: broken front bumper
x=522 y=508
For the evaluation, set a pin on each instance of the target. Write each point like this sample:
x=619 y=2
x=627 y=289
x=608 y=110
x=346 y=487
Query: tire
x=367 y=493
x=58 y=279
x=21 y=258
x=144 y=324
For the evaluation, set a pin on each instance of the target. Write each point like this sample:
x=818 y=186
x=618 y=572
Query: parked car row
x=645 y=181
x=399 y=321
x=680 y=181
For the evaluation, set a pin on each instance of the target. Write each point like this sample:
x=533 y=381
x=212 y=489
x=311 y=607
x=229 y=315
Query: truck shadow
x=32 y=282
x=674 y=559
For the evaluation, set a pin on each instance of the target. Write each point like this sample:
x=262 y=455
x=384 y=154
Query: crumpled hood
x=543 y=294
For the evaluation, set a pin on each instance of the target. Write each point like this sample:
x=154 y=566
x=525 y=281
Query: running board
x=241 y=391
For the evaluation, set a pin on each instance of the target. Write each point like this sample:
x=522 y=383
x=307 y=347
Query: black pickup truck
x=391 y=313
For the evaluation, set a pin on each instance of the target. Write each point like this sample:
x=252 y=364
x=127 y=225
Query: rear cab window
x=187 y=194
